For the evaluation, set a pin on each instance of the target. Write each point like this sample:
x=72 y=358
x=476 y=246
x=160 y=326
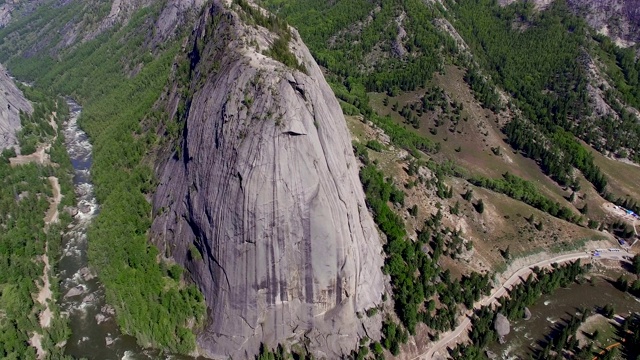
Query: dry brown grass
x=503 y=224
x=474 y=138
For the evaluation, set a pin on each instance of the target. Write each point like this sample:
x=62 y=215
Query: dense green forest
x=534 y=56
x=36 y=128
x=23 y=204
x=151 y=304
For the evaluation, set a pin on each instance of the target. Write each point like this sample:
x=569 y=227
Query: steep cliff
x=618 y=19
x=261 y=201
x=12 y=102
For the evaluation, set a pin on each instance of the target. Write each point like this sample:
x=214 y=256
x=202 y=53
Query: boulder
x=502 y=325
x=75 y=291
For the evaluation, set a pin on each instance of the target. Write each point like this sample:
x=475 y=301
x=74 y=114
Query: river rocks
x=527 y=313
x=109 y=341
x=86 y=274
x=106 y=313
x=108 y=309
x=12 y=101
x=89 y=299
x=75 y=291
x=71 y=210
x=85 y=208
x=100 y=318
x=263 y=204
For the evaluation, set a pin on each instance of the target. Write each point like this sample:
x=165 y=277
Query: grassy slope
x=503 y=221
x=475 y=155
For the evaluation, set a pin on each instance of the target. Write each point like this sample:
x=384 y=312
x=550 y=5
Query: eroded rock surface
x=12 y=101
x=5 y=14
x=618 y=19
x=262 y=202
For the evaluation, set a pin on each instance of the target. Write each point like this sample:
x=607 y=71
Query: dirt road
x=439 y=349
x=45 y=294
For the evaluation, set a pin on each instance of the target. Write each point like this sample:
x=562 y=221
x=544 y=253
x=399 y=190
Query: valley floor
x=438 y=349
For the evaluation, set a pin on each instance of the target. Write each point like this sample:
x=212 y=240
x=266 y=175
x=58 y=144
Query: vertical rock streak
x=267 y=190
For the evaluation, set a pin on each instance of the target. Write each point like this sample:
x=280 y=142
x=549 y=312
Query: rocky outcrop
x=5 y=14
x=9 y=7
x=618 y=19
x=261 y=201
x=12 y=102
x=172 y=15
x=170 y=18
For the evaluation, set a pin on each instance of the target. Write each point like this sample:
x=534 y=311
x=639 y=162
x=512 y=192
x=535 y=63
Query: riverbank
x=45 y=295
x=95 y=334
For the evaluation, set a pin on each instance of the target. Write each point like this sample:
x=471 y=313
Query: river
x=94 y=332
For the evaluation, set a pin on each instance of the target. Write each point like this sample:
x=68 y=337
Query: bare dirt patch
x=593 y=323
x=52 y=213
x=504 y=224
x=45 y=294
x=623 y=177
x=40 y=157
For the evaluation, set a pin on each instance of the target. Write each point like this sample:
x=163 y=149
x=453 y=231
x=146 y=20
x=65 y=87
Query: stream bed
x=94 y=332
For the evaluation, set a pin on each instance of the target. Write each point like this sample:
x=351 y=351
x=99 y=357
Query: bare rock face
x=5 y=14
x=172 y=16
x=12 y=101
x=262 y=202
x=618 y=19
x=173 y=13
x=9 y=7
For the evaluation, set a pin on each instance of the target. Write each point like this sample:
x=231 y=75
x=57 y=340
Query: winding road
x=434 y=351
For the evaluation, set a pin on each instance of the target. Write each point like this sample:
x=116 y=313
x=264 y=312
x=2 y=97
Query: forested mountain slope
x=118 y=81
